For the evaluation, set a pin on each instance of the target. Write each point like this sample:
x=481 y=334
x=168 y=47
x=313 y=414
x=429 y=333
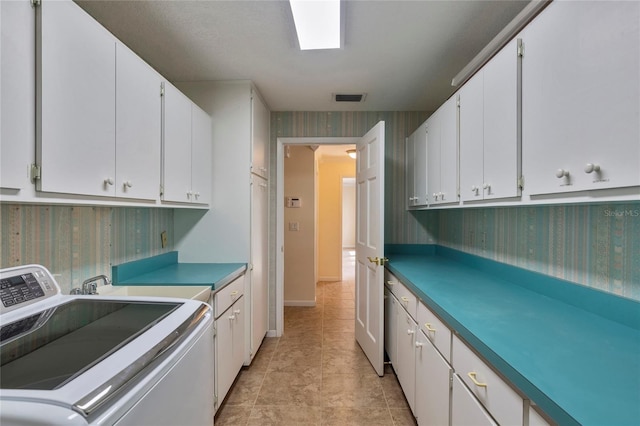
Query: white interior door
x=370 y=246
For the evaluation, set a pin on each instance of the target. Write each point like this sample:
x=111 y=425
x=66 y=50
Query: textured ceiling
x=403 y=54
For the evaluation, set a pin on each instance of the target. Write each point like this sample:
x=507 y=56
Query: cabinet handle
x=391 y=283
x=591 y=167
x=560 y=173
x=472 y=376
x=405 y=300
x=233 y=294
x=429 y=328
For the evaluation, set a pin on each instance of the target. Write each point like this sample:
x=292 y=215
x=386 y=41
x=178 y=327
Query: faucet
x=89 y=286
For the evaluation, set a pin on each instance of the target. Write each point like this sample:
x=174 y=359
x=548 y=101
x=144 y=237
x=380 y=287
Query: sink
x=201 y=293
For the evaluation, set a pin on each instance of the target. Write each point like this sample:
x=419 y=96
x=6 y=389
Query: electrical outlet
x=163 y=238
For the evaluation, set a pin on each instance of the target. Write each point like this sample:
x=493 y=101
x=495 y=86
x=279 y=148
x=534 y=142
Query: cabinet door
x=465 y=408
x=259 y=254
x=177 y=146
x=229 y=348
x=259 y=136
x=409 y=173
x=449 y=152
x=471 y=138
x=433 y=391
x=420 y=166
x=406 y=371
x=581 y=97
x=501 y=139
x=138 y=127
x=76 y=134
x=201 y=159
x=433 y=158
x=390 y=327
x=17 y=88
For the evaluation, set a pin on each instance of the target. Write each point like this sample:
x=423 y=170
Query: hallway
x=316 y=374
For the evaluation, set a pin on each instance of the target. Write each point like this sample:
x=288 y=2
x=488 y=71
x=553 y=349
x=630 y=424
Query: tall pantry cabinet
x=235 y=229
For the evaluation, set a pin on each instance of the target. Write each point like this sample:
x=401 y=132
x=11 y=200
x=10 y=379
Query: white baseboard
x=272 y=333
x=329 y=278
x=299 y=303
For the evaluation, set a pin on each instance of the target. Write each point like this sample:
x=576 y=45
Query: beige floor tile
x=345 y=360
x=285 y=415
x=403 y=417
x=339 y=303
x=283 y=388
x=355 y=416
x=351 y=390
x=296 y=359
x=245 y=390
x=333 y=312
x=393 y=392
x=338 y=325
x=232 y=416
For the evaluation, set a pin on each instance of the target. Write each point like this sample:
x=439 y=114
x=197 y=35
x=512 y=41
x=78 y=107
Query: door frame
x=281 y=142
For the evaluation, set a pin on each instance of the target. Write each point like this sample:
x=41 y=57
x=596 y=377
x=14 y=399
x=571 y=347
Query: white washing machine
x=78 y=360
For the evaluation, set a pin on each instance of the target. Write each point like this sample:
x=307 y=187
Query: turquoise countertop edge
x=165 y=269
x=573 y=350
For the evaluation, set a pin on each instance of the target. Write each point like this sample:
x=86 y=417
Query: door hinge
x=215 y=401
x=251 y=266
x=215 y=331
x=521 y=183
x=162 y=89
x=161 y=190
x=36 y=173
x=458 y=101
x=36 y=3
x=520 y=48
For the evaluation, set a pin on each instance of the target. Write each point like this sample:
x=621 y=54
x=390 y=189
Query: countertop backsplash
x=78 y=242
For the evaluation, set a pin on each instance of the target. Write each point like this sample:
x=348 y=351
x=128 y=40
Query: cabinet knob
x=560 y=173
x=591 y=167
x=197 y=195
x=474 y=189
x=419 y=345
x=127 y=184
x=486 y=186
x=189 y=193
x=232 y=317
x=237 y=312
x=108 y=181
x=410 y=332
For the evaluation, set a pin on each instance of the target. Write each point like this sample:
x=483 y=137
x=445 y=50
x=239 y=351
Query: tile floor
x=316 y=374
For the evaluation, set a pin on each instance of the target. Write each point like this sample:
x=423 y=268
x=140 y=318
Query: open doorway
x=286 y=227
x=319 y=221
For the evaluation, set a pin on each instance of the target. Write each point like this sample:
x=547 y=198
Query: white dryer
x=79 y=360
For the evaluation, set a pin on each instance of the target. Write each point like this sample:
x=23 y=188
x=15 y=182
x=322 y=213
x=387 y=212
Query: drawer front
x=435 y=330
x=465 y=408
x=406 y=298
x=228 y=295
x=504 y=404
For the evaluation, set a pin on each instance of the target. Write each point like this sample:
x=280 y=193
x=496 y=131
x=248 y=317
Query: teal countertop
x=572 y=350
x=165 y=270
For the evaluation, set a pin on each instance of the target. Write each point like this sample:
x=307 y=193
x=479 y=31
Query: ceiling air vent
x=351 y=97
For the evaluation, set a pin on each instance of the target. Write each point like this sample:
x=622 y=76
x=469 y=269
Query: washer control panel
x=24 y=285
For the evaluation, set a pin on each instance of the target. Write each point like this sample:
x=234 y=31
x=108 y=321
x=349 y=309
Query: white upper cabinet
x=581 y=97
x=260 y=120
x=200 y=155
x=187 y=150
x=490 y=154
x=138 y=127
x=76 y=132
x=416 y=167
x=17 y=87
x=442 y=154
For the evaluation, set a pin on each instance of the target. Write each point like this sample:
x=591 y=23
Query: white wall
x=348 y=212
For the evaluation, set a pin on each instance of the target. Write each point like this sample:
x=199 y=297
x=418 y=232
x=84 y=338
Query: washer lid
x=46 y=350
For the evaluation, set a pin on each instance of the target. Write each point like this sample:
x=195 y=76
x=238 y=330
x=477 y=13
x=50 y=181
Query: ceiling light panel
x=317 y=23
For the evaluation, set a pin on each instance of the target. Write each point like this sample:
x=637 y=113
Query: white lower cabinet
x=465 y=408
x=390 y=321
x=433 y=390
x=504 y=404
x=406 y=365
x=229 y=341
x=536 y=419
